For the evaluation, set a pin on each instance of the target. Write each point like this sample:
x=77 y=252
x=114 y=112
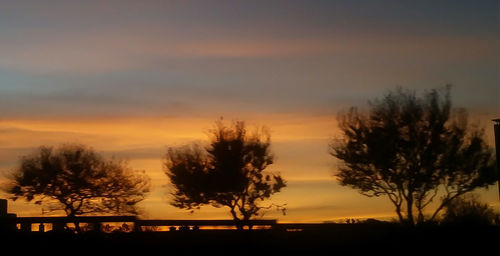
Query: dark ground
x=354 y=239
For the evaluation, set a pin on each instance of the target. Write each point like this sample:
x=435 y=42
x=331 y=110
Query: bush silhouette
x=468 y=210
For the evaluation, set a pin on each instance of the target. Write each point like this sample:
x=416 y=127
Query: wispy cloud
x=109 y=51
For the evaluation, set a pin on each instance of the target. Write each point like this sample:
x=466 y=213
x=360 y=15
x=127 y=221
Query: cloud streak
x=109 y=51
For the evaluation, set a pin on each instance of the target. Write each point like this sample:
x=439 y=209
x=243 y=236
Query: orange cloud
x=143 y=141
x=299 y=142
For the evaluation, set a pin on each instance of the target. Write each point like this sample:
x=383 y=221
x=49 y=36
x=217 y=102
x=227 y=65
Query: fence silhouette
x=11 y=222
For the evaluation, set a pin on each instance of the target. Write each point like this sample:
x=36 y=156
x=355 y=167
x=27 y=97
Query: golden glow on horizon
x=144 y=141
x=300 y=145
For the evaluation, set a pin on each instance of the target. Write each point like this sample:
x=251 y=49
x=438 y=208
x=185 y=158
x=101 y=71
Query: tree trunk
x=77 y=227
x=409 y=210
x=420 y=218
x=447 y=200
x=246 y=221
x=76 y=223
x=239 y=224
x=400 y=216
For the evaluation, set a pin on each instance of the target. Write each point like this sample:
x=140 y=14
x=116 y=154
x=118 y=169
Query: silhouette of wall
x=3 y=207
x=497 y=146
x=6 y=219
x=11 y=222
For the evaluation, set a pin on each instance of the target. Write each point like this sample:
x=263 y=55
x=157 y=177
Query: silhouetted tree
x=468 y=210
x=76 y=179
x=229 y=172
x=412 y=149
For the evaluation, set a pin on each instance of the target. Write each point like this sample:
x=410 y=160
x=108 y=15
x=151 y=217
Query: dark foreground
x=319 y=240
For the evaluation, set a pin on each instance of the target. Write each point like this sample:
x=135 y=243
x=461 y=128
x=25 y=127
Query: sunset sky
x=131 y=78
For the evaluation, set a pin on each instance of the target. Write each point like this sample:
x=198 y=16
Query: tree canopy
x=76 y=179
x=412 y=149
x=229 y=172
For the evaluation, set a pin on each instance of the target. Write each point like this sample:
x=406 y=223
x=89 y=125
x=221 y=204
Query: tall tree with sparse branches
x=230 y=172
x=412 y=150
